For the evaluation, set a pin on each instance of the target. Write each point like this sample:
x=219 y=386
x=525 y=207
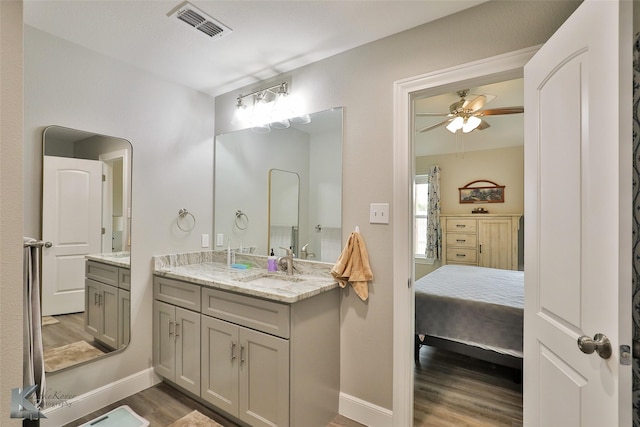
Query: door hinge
x=409 y=283
x=104 y=178
x=104 y=231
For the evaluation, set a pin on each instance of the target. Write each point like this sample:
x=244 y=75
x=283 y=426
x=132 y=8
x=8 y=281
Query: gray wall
x=171 y=130
x=361 y=80
x=10 y=205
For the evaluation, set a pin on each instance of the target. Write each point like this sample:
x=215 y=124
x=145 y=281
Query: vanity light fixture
x=272 y=108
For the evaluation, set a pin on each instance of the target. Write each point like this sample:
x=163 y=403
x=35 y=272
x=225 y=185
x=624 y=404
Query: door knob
x=600 y=344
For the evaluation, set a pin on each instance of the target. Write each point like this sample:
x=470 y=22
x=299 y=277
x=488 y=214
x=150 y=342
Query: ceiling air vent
x=188 y=13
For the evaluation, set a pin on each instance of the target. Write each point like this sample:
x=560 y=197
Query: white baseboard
x=99 y=398
x=364 y=412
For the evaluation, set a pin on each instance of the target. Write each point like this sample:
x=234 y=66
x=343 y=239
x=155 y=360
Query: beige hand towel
x=353 y=266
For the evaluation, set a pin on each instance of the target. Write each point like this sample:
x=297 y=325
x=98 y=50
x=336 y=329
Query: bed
x=475 y=311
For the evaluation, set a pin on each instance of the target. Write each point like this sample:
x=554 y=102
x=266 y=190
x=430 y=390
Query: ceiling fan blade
x=437 y=125
x=483 y=125
x=474 y=104
x=499 y=111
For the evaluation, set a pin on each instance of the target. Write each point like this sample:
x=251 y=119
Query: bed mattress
x=477 y=306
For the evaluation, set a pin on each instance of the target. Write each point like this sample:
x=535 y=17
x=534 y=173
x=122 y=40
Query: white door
x=578 y=157
x=71 y=221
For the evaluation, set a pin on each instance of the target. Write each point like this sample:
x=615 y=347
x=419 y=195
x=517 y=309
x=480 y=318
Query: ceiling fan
x=467 y=114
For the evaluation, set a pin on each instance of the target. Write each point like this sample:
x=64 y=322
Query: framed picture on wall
x=482 y=191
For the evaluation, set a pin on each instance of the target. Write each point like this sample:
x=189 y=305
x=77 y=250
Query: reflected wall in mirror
x=86 y=224
x=243 y=161
x=284 y=195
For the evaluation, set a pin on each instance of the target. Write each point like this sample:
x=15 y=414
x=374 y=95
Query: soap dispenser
x=272 y=262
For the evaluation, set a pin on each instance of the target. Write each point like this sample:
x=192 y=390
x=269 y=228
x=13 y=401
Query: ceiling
x=505 y=130
x=267 y=38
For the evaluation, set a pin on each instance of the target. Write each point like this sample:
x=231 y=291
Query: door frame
x=490 y=70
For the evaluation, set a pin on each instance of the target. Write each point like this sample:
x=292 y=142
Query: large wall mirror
x=281 y=189
x=86 y=224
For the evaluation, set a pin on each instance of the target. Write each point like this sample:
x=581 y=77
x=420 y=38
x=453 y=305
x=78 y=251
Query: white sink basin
x=270 y=280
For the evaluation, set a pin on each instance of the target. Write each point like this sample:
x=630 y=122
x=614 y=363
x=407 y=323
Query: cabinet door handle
x=461 y=255
x=96 y=300
x=170 y=331
x=233 y=353
x=241 y=354
x=177 y=330
x=480 y=248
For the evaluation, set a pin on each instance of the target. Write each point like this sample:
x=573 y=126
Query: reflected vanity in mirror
x=86 y=224
x=287 y=183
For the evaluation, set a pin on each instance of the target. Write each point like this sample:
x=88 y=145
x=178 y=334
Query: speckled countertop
x=209 y=269
x=119 y=259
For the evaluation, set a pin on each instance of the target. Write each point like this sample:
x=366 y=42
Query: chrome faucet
x=304 y=254
x=286 y=262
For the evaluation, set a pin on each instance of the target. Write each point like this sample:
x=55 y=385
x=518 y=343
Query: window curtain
x=636 y=225
x=434 y=242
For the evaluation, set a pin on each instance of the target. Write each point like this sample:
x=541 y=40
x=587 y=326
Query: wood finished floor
x=70 y=329
x=161 y=405
x=451 y=390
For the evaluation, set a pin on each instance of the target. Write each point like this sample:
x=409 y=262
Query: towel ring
x=238 y=221
x=182 y=213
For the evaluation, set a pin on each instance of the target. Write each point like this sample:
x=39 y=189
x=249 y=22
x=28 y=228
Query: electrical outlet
x=379 y=213
x=219 y=239
x=205 y=240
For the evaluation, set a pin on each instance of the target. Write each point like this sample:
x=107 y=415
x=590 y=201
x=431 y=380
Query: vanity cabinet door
x=187 y=336
x=264 y=379
x=220 y=361
x=92 y=312
x=109 y=302
x=101 y=312
x=176 y=345
x=164 y=344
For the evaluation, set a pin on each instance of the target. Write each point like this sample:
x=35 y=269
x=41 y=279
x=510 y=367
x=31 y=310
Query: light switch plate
x=379 y=213
x=205 y=240
x=219 y=239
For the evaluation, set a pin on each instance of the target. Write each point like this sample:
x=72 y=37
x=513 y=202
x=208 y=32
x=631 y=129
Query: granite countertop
x=254 y=281
x=118 y=259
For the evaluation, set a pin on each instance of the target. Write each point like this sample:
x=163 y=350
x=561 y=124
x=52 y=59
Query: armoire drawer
x=462 y=255
x=462 y=240
x=462 y=225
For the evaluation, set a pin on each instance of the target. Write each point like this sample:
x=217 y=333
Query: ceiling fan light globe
x=455 y=124
x=471 y=123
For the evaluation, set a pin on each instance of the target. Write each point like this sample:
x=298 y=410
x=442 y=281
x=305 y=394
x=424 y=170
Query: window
x=421 y=195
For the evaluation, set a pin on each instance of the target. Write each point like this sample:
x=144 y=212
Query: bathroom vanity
x=261 y=347
x=108 y=299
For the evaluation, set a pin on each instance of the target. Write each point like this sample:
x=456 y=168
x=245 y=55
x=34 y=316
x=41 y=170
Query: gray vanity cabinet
x=245 y=372
x=264 y=362
x=106 y=297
